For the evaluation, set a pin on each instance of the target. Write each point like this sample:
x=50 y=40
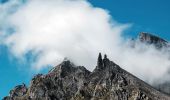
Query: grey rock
x=152 y=39
x=18 y=91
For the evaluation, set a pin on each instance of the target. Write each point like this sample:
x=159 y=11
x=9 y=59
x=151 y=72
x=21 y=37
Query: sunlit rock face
x=70 y=82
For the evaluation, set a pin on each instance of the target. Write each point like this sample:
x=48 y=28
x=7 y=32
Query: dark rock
x=100 y=62
x=105 y=61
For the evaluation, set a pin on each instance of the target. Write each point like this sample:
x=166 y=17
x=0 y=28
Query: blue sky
x=145 y=15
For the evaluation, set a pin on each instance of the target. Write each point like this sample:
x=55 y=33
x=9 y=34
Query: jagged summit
x=102 y=62
x=70 y=82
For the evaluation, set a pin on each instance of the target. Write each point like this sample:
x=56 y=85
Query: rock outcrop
x=18 y=92
x=69 y=82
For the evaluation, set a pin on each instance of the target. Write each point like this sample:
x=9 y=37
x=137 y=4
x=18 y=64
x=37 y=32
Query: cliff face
x=69 y=82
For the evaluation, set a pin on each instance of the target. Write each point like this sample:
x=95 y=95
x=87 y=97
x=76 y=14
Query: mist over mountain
x=44 y=33
x=107 y=81
x=41 y=33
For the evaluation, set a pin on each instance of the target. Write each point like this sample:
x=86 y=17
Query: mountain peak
x=102 y=62
x=152 y=39
x=70 y=82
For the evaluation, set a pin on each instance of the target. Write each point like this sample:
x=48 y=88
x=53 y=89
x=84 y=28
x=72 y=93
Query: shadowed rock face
x=152 y=39
x=69 y=82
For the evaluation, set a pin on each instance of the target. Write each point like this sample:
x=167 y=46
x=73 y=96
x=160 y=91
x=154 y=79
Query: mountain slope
x=159 y=43
x=69 y=82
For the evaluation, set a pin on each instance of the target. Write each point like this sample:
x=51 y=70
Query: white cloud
x=54 y=29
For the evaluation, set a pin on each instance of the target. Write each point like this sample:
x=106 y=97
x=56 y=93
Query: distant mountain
x=152 y=39
x=107 y=81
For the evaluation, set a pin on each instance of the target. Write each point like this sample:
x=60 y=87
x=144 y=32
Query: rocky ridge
x=70 y=82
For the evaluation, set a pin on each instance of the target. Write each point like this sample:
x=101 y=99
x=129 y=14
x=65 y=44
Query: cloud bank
x=50 y=30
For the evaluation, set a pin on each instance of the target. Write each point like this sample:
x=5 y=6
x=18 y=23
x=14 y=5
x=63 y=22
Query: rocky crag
x=107 y=81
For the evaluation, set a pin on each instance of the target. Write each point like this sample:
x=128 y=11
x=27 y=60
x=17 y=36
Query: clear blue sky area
x=145 y=15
